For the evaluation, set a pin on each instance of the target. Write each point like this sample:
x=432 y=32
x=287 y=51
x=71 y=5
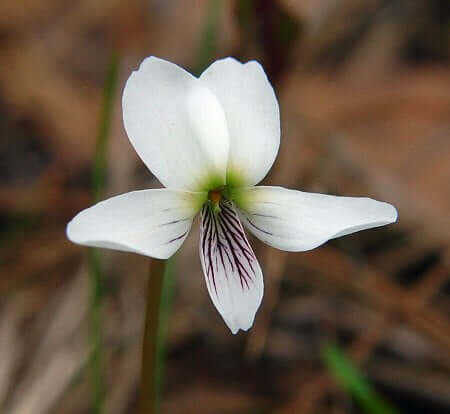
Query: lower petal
x=298 y=221
x=149 y=222
x=232 y=272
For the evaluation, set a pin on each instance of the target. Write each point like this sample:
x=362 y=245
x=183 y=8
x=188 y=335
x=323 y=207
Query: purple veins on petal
x=224 y=249
x=177 y=238
x=175 y=221
x=257 y=227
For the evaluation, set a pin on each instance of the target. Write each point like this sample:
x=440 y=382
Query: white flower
x=210 y=140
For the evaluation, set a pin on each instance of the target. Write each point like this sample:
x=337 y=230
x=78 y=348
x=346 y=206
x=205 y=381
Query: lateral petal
x=149 y=222
x=297 y=221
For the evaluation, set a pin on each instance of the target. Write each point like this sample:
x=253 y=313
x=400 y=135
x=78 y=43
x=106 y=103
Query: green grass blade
x=96 y=366
x=354 y=382
x=209 y=37
x=100 y=160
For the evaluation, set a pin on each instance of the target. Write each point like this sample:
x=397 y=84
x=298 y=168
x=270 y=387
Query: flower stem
x=159 y=298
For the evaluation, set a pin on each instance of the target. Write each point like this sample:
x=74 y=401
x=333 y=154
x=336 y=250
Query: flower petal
x=232 y=272
x=252 y=114
x=149 y=222
x=176 y=125
x=297 y=221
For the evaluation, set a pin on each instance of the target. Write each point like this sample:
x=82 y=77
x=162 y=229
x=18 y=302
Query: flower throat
x=215 y=198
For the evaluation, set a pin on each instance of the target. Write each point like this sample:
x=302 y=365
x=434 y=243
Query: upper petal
x=149 y=222
x=232 y=272
x=297 y=221
x=177 y=126
x=252 y=114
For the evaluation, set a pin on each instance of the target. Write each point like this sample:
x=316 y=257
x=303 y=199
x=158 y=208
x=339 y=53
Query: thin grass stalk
x=209 y=36
x=96 y=272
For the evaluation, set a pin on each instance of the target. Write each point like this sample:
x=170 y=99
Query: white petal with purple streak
x=298 y=221
x=232 y=272
x=150 y=222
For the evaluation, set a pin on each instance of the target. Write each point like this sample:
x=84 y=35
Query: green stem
x=164 y=316
x=160 y=288
x=95 y=331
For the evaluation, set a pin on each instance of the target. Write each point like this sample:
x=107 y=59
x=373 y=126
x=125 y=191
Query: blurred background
x=360 y=325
